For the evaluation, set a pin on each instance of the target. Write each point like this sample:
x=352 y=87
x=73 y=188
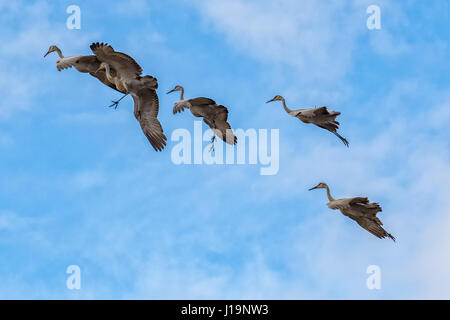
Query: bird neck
x=285 y=106
x=329 y=194
x=59 y=52
x=182 y=94
x=108 y=73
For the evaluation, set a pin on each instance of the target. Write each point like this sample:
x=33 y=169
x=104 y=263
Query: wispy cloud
x=310 y=36
x=81 y=186
x=21 y=78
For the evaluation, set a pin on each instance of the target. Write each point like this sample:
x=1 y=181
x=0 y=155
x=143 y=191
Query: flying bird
x=85 y=64
x=360 y=210
x=321 y=117
x=127 y=77
x=215 y=116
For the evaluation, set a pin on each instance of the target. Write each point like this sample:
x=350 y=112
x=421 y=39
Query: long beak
x=170 y=91
x=47 y=54
x=270 y=100
x=312 y=188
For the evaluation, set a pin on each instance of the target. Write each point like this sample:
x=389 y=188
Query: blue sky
x=80 y=185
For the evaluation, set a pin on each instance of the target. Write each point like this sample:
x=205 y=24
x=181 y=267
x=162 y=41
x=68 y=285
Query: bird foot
x=116 y=103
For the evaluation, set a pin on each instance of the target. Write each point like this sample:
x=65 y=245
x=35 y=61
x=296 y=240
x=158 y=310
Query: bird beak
x=312 y=188
x=170 y=91
x=271 y=100
x=47 y=53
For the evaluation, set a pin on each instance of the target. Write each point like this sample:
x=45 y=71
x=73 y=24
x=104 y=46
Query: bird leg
x=214 y=136
x=116 y=103
x=212 y=143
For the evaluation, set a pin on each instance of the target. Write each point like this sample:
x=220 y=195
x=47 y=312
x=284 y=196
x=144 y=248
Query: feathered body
x=359 y=209
x=320 y=117
x=84 y=64
x=128 y=77
x=214 y=115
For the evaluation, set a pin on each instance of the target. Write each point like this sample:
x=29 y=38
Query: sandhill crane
x=215 y=116
x=143 y=90
x=321 y=117
x=85 y=64
x=360 y=210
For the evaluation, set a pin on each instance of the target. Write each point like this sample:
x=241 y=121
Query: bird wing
x=321 y=111
x=220 y=126
x=362 y=200
x=180 y=106
x=318 y=112
x=322 y=118
x=224 y=128
x=223 y=131
x=83 y=64
x=367 y=208
x=221 y=113
x=201 y=101
x=150 y=81
x=66 y=63
x=324 y=112
x=314 y=112
x=346 y=203
x=125 y=65
x=86 y=64
x=373 y=227
x=146 y=108
x=209 y=123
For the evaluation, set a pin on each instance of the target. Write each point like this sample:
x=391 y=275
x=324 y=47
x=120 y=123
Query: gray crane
x=360 y=210
x=215 y=116
x=86 y=64
x=128 y=77
x=321 y=117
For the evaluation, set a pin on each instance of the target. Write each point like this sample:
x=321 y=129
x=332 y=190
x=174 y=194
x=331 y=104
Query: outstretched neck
x=182 y=94
x=329 y=194
x=58 y=51
x=285 y=106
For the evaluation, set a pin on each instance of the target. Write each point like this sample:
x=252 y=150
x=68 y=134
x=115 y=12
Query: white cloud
x=315 y=38
x=384 y=43
x=130 y=8
x=87 y=180
x=15 y=229
x=440 y=116
x=319 y=253
x=11 y=221
x=315 y=248
x=22 y=79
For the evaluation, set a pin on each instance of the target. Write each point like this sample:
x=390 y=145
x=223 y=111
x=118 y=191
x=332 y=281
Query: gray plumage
x=146 y=108
x=214 y=115
x=127 y=69
x=360 y=210
x=320 y=117
x=128 y=77
x=84 y=64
